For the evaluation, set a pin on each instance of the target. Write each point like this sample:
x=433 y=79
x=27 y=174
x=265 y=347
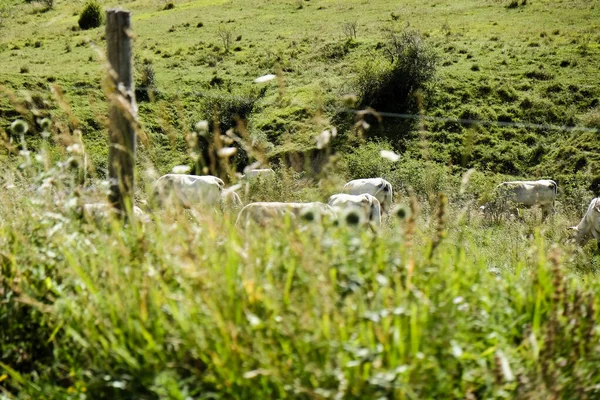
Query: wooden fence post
x=122 y=110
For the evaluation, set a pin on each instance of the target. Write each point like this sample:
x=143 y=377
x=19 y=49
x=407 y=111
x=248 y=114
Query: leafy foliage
x=91 y=16
x=413 y=65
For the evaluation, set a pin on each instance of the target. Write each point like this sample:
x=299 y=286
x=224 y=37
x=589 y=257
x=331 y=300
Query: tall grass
x=189 y=306
x=437 y=304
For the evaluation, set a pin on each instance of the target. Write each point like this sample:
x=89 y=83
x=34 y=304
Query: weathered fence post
x=122 y=110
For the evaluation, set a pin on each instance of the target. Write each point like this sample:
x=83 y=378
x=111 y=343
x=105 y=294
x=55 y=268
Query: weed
x=539 y=74
x=350 y=29
x=226 y=35
x=145 y=88
x=169 y=5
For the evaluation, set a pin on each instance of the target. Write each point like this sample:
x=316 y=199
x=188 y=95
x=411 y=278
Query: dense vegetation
x=438 y=304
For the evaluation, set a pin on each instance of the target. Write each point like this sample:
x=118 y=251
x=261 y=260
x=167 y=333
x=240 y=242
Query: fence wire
x=406 y=116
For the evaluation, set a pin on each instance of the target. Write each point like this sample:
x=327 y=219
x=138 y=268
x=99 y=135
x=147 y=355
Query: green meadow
x=437 y=303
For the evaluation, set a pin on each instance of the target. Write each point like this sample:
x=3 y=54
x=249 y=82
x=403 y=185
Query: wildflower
x=390 y=155
x=202 y=126
x=226 y=152
x=19 y=127
x=265 y=78
x=323 y=139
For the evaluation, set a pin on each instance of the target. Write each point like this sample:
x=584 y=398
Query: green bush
x=225 y=107
x=366 y=162
x=413 y=64
x=145 y=89
x=91 y=16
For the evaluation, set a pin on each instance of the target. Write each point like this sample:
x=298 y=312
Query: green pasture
x=438 y=303
x=536 y=62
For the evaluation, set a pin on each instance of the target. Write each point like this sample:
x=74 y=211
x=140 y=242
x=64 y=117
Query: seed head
x=45 y=123
x=401 y=212
x=308 y=216
x=352 y=218
x=19 y=127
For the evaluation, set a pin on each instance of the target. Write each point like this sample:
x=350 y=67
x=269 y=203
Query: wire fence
x=405 y=116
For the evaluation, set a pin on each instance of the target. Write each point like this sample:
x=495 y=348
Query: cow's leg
x=545 y=213
x=515 y=211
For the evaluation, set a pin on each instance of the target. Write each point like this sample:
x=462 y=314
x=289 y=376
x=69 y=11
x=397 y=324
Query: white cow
x=514 y=194
x=230 y=199
x=189 y=191
x=103 y=210
x=590 y=224
x=258 y=173
x=367 y=205
x=263 y=213
x=377 y=187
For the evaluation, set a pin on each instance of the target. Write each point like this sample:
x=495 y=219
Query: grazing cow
x=189 y=191
x=378 y=187
x=258 y=173
x=511 y=195
x=263 y=213
x=230 y=200
x=103 y=210
x=367 y=205
x=589 y=225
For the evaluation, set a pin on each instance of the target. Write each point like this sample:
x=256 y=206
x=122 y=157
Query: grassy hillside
x=535 y=63
x=438 y=303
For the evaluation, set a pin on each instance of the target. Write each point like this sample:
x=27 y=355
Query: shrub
x=539 y=75
x=413 y=65
x=335 y=51
x=169 y=6
x=91 y=16
x=226 y=36
x=366 y=162
x=350 y=29
x=592 y=118
x=226 y=107
x=146 y=82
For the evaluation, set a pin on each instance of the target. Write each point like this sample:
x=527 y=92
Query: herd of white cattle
x=365 y=197
x=362 y=199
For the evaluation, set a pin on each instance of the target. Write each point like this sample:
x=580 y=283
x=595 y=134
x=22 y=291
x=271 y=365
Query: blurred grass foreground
x=437 y=304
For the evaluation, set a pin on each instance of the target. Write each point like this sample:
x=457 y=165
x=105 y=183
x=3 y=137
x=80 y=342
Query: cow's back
x=528 y=193
x=190 y=190
x=264 y=212
x=365 y=203
x=377 y=187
